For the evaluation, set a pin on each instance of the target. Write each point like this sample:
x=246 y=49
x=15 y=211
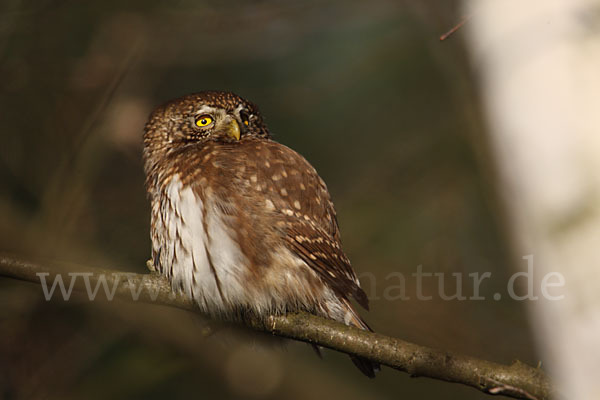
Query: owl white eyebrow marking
x=205 y=109
x=238 y=110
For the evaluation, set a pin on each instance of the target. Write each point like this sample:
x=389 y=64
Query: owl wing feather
x=312 y=231
x=323 y=254
x=266 y=170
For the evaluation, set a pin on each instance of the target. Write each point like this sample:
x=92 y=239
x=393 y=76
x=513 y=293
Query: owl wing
x=312 y=231
x=324 y=255
x=269 y=173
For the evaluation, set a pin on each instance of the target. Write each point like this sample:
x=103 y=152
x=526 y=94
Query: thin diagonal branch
x=517 y=380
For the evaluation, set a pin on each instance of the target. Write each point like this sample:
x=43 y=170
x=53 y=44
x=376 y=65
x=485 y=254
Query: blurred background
x=388 y=115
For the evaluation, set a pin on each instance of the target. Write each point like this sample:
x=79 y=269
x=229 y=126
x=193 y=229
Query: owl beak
x=234 y=129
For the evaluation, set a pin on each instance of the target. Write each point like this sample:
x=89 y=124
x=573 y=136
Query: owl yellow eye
x=204 y=120
x=246 y=122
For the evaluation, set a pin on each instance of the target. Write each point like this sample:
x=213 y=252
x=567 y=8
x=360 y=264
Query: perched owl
x=241 y=223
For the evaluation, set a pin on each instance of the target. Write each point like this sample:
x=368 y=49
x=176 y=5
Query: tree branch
x=517 y=380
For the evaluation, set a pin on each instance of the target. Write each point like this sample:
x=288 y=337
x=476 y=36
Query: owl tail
x=365 y=366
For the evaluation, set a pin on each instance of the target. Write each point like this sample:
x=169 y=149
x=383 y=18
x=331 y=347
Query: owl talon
x=150 y=266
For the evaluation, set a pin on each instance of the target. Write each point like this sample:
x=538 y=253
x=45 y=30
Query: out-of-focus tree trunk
x=539 y=68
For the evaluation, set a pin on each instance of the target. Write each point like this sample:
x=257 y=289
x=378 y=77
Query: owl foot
x=150 y=266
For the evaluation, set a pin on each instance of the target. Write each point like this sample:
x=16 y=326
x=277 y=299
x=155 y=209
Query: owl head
x=203 y=116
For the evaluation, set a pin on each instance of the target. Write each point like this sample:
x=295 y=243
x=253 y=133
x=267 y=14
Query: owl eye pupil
x=203 y=121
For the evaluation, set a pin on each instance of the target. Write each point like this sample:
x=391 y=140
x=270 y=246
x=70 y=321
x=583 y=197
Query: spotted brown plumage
x=241 y=223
